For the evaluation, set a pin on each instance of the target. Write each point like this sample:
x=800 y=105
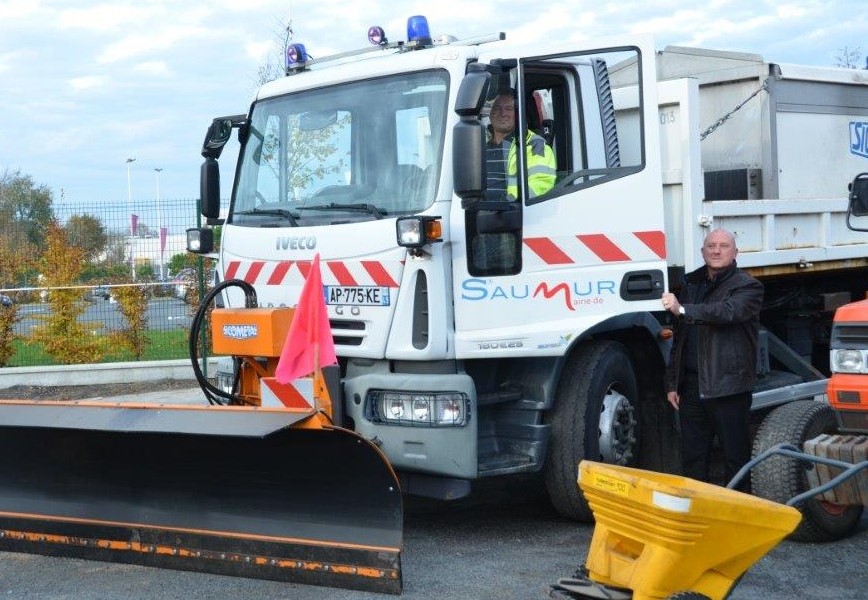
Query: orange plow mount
x=222 y=489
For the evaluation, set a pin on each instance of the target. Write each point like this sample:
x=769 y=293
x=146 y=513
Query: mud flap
x=224 y=490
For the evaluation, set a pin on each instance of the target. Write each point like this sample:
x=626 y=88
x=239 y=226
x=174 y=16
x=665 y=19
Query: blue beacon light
x=377 y=36
x=417 y=31
x=296 y=57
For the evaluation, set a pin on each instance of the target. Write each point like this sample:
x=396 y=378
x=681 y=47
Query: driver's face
x=503 y=115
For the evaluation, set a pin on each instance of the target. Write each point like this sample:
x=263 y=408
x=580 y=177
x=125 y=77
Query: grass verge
x=162 y=345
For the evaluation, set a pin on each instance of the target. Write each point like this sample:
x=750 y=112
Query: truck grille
x=347 y=333
x=849 y=335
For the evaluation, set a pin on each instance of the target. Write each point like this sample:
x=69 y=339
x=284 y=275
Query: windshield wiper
x=277 y=212
x=368 y=208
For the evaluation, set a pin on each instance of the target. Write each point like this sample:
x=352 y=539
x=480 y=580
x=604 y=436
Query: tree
x=8 y=318
x=133 y=305
x=64 y=338
x=87 y=232
x=309 y=154
x=117 y=249
x=274 y=66
x=16 y=261
x=144 y=230
x=850 y=58
x=25 y=210
x=180 y=261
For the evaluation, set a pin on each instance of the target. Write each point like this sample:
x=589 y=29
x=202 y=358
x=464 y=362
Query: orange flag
x=309 y=343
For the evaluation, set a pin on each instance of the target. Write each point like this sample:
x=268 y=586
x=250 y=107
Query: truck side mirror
x=219 y=133
x=858 y=203
x=216 y=137
x=859 y=195
x=468 y=139
x=209 y=189
x=468 y=162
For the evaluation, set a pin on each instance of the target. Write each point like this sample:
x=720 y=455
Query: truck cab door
x=590 y=245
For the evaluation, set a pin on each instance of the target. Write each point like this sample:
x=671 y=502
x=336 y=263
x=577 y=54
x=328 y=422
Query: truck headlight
x=417 y=409
x=847 y=361
x=417 y=230
x=200 y=240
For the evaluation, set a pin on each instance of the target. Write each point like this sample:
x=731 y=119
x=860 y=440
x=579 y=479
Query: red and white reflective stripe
x=288 y=272
x=595 y=248
x=298 y=394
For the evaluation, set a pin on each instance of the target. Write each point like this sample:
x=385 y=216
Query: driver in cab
x=501 y=154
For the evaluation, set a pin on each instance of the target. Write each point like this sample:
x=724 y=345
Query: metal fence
x=140 y=245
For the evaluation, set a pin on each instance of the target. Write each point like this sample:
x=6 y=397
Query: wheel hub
x=617 y=429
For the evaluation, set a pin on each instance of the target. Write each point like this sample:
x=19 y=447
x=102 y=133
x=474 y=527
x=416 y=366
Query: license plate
x=362 y=295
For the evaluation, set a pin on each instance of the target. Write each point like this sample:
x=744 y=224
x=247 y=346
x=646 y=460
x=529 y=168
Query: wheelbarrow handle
x=848 y=470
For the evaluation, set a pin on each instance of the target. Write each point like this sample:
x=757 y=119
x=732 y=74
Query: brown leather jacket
x=727 y=326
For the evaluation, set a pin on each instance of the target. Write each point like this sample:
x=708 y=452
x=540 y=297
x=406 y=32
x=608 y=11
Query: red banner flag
x=164 y=233
x=134 y=225
x=309 y=343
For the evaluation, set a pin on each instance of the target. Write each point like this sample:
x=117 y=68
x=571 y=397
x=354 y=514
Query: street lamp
x=162 y=236
x=130 y=209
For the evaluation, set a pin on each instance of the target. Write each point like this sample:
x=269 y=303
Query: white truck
x=461 y=366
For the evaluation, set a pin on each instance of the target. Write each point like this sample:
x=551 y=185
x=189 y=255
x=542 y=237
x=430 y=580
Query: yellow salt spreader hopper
x=657 y=535
x=666 y=536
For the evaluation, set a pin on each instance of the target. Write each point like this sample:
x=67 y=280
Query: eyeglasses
x=503 y=109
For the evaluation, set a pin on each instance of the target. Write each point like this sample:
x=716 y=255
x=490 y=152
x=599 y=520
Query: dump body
x=774 y=171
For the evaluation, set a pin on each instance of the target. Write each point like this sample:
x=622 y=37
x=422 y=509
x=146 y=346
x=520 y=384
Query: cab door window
x=587 y=107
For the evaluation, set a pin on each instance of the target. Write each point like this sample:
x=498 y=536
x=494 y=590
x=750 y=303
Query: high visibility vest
x=541 y=167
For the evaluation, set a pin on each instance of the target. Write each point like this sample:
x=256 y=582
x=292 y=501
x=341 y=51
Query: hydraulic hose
x=214 y=394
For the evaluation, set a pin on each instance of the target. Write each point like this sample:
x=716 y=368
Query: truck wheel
x=780 y=478
x=595 y=417
x=688 y=596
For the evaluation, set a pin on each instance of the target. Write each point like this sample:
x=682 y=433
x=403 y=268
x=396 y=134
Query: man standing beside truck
x=712 y=365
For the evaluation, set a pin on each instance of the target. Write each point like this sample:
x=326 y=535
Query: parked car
x=186 y=284
x=5 y=300
x=99 y=292
x=183 y=283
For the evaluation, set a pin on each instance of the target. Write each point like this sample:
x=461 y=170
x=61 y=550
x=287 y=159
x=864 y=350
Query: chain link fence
x=122 y=246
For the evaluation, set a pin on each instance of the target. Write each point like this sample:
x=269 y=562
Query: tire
x=780 y=478
x=688 y=596
x=598 y=386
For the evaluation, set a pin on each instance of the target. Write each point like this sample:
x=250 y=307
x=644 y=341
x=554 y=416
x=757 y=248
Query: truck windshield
x=358 y=151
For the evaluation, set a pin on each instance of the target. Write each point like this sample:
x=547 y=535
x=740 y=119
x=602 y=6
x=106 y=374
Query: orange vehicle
x=848 y=386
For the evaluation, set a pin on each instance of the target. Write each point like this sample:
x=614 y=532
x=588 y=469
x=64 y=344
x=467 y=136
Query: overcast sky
x=86 y=85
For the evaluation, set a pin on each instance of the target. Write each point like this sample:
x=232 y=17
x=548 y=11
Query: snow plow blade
x=231 y=490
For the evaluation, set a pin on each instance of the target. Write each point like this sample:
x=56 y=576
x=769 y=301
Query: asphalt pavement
x=503 y=542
